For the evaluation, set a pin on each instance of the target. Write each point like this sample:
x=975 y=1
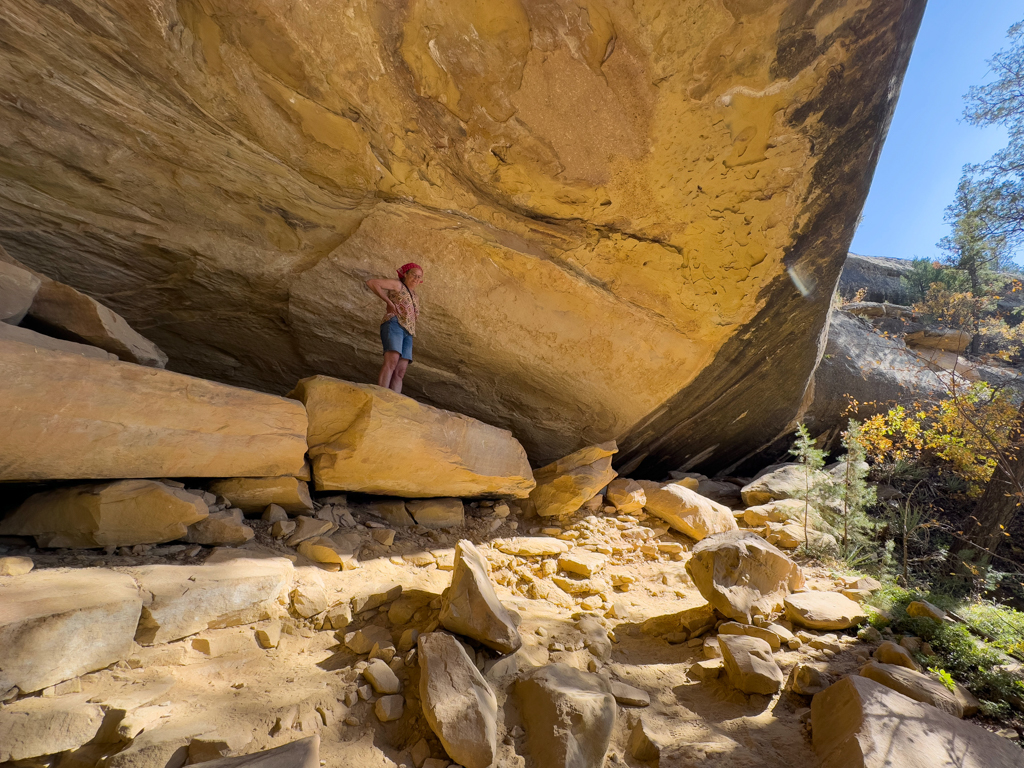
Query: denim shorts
x=396 y=339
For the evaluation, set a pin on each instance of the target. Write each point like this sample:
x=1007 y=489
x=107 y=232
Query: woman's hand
x=392 y=309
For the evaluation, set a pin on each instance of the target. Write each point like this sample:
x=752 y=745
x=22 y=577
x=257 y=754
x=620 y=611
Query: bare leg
x=387 y=370
x=398 y=375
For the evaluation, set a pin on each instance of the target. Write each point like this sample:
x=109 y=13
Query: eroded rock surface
x=609 y=189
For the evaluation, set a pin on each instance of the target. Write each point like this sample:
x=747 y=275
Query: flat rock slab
x=916 y=685
x=69 y=416
x=59 y=624
x=531 y=546
x=40 y=341
x=303 y=753
x=369 y=439
x=742 y=575
x=858 y=723
x=254 y=494
x=39 y=726
x=824 y=610
x=458 y=704
x=181 y=600
x=120 y=514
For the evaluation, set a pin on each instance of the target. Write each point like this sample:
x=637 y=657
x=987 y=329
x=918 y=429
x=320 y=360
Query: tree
x=1000 y=181
x=853 y=491
x=974 y=246
x=997 y=507
x=814 y=492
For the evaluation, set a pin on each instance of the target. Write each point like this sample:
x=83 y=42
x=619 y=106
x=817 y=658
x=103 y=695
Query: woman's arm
x=381 y=286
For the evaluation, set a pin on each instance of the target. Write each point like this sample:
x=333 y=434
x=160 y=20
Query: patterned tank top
x=408 y=309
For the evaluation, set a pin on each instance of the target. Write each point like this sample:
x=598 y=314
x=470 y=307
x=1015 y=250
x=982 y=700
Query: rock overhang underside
x=610 y=200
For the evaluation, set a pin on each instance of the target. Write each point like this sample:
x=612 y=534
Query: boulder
x=824 y=610
x=749 y=664
x=720 y=491
x=773 y=639
x=945 y=339
x=254 y=494
x=40 y=341
x=362 y=640
x=63 y=311
x=18 y=288
x=369 y=439
x=302 y=753
x=34 y=727
x=249 y=262
x=782 y=511
x=890 y=653
x=309 y=596
x=793 y=535
x=531 y=546
x=788 y=481
x=567 y=484
x=393 y=511
x=69 y=416
x=625 y=495
x=221 y=529
x=922 y=609
x=687 y=511
x=58 y=624
x=742 y=575
x=15 y=566
x=231 y=589
x=870 y=369
x=643 y=745
x=458 y=704
x=568 y=714
x=805 y=680
x=469 y=606
x=321 y=549
x=437 y=513
x=379 y=675
x=119 y=514
x=308 y=528
x=858 y=723
x=917 y=685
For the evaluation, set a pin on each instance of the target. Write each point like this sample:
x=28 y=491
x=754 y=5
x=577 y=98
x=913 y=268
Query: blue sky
x=928 y=144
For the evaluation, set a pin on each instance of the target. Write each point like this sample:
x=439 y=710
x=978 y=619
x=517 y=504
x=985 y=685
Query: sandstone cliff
x=606 y=196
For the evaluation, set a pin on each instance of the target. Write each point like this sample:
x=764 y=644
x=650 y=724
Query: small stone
x=274 y=514
x=408 y=640
x=582 y=562
x=806 y=680
x=383 y=536
x=870 y=635
x=712 y=648
x=629 y=696
x=704 y=671
x=420 y=752
x=282 y=528
x=270 y=635
x=362 y=641
x=389 y=708
x=890 y=653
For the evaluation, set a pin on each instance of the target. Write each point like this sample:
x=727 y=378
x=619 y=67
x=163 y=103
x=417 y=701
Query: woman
x=399 y=325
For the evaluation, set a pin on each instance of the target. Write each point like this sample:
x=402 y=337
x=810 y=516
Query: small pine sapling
x=854 y=491
x=816 y=490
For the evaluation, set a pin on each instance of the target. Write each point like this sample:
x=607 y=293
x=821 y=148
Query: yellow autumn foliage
x=958 y=435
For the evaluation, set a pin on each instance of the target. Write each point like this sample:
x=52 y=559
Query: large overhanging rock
x=609 y=200
x=370 y=439
x=69 y=416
